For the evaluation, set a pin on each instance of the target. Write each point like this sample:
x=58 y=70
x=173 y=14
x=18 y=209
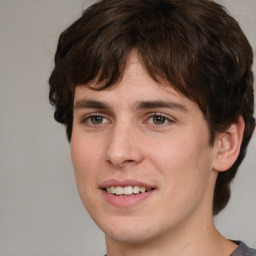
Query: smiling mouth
x=127 y=190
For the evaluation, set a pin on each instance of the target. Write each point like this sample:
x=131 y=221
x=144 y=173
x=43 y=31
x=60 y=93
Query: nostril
x=127 y=162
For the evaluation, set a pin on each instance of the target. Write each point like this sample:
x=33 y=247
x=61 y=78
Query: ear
x=228 y=146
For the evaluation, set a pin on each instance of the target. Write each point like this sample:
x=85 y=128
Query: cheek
x=183 y=161
x=84 y=152
x=84 y=158
x=185 y=171
x=85 y=168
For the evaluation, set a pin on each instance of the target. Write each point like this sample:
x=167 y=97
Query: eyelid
x=94 y=114
x=154 y=114
x=168 y=117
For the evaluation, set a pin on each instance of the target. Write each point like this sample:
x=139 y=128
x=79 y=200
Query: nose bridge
x=122 y=147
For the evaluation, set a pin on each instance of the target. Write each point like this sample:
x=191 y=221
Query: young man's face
x=150 y=143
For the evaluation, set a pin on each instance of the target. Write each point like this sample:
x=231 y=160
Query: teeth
x=119 y=190
x=113 y=190
x=128 y=190
x=136 y=190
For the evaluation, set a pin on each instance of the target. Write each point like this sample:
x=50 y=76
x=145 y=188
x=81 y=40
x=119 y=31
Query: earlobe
x=228 y=146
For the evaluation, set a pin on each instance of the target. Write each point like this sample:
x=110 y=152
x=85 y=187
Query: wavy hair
x=194 y=45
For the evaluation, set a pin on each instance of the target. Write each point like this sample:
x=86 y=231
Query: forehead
x=135 y=79
x=136 y=90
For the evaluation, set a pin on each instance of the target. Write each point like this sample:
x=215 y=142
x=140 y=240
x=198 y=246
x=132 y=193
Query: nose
x=123 y=147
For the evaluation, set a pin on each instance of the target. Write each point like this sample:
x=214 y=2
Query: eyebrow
x=93 y=104
x=159 y=104
x=140 y=105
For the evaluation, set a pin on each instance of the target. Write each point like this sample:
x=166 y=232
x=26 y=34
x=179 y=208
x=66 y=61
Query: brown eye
x=159 y=120
x=96 y=120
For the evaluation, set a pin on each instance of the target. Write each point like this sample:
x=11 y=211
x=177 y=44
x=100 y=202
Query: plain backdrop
x=40 y=210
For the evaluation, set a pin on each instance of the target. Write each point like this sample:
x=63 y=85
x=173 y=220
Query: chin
x=130 y=237
x=132 y=231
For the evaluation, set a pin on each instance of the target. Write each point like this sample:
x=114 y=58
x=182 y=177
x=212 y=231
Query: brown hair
x=194 y=45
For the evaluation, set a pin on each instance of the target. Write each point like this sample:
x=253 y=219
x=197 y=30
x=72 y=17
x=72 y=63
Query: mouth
x=127 y=190
x=126 y=193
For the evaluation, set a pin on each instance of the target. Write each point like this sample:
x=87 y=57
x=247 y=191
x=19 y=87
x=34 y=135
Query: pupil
x=159 y=120
x=97 y=120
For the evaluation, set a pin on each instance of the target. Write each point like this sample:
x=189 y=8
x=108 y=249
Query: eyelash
x=167 y=120
x=88 y=120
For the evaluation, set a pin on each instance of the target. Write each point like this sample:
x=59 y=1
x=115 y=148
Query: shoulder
x=243 y=250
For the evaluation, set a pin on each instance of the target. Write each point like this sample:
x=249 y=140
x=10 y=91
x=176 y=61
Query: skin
x=116 y=136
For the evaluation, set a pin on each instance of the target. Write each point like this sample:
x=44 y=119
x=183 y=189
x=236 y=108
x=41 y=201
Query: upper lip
x=124 y=183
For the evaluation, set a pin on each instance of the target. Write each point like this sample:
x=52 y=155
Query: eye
x=158 y=119
x=96 y=120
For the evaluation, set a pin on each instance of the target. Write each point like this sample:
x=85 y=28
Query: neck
x=195 y=237
x=203 y=242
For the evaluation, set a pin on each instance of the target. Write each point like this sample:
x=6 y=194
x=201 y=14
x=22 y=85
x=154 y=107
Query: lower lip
x=126 y=201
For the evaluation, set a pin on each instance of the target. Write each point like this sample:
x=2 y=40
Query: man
x=157 y=99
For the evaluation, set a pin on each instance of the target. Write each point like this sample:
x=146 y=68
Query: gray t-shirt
x=243 y=250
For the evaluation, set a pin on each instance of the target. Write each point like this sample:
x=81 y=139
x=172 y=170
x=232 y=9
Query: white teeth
x=128 y=190
x=119 y=190
x=112 y=190
x=136 y=190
